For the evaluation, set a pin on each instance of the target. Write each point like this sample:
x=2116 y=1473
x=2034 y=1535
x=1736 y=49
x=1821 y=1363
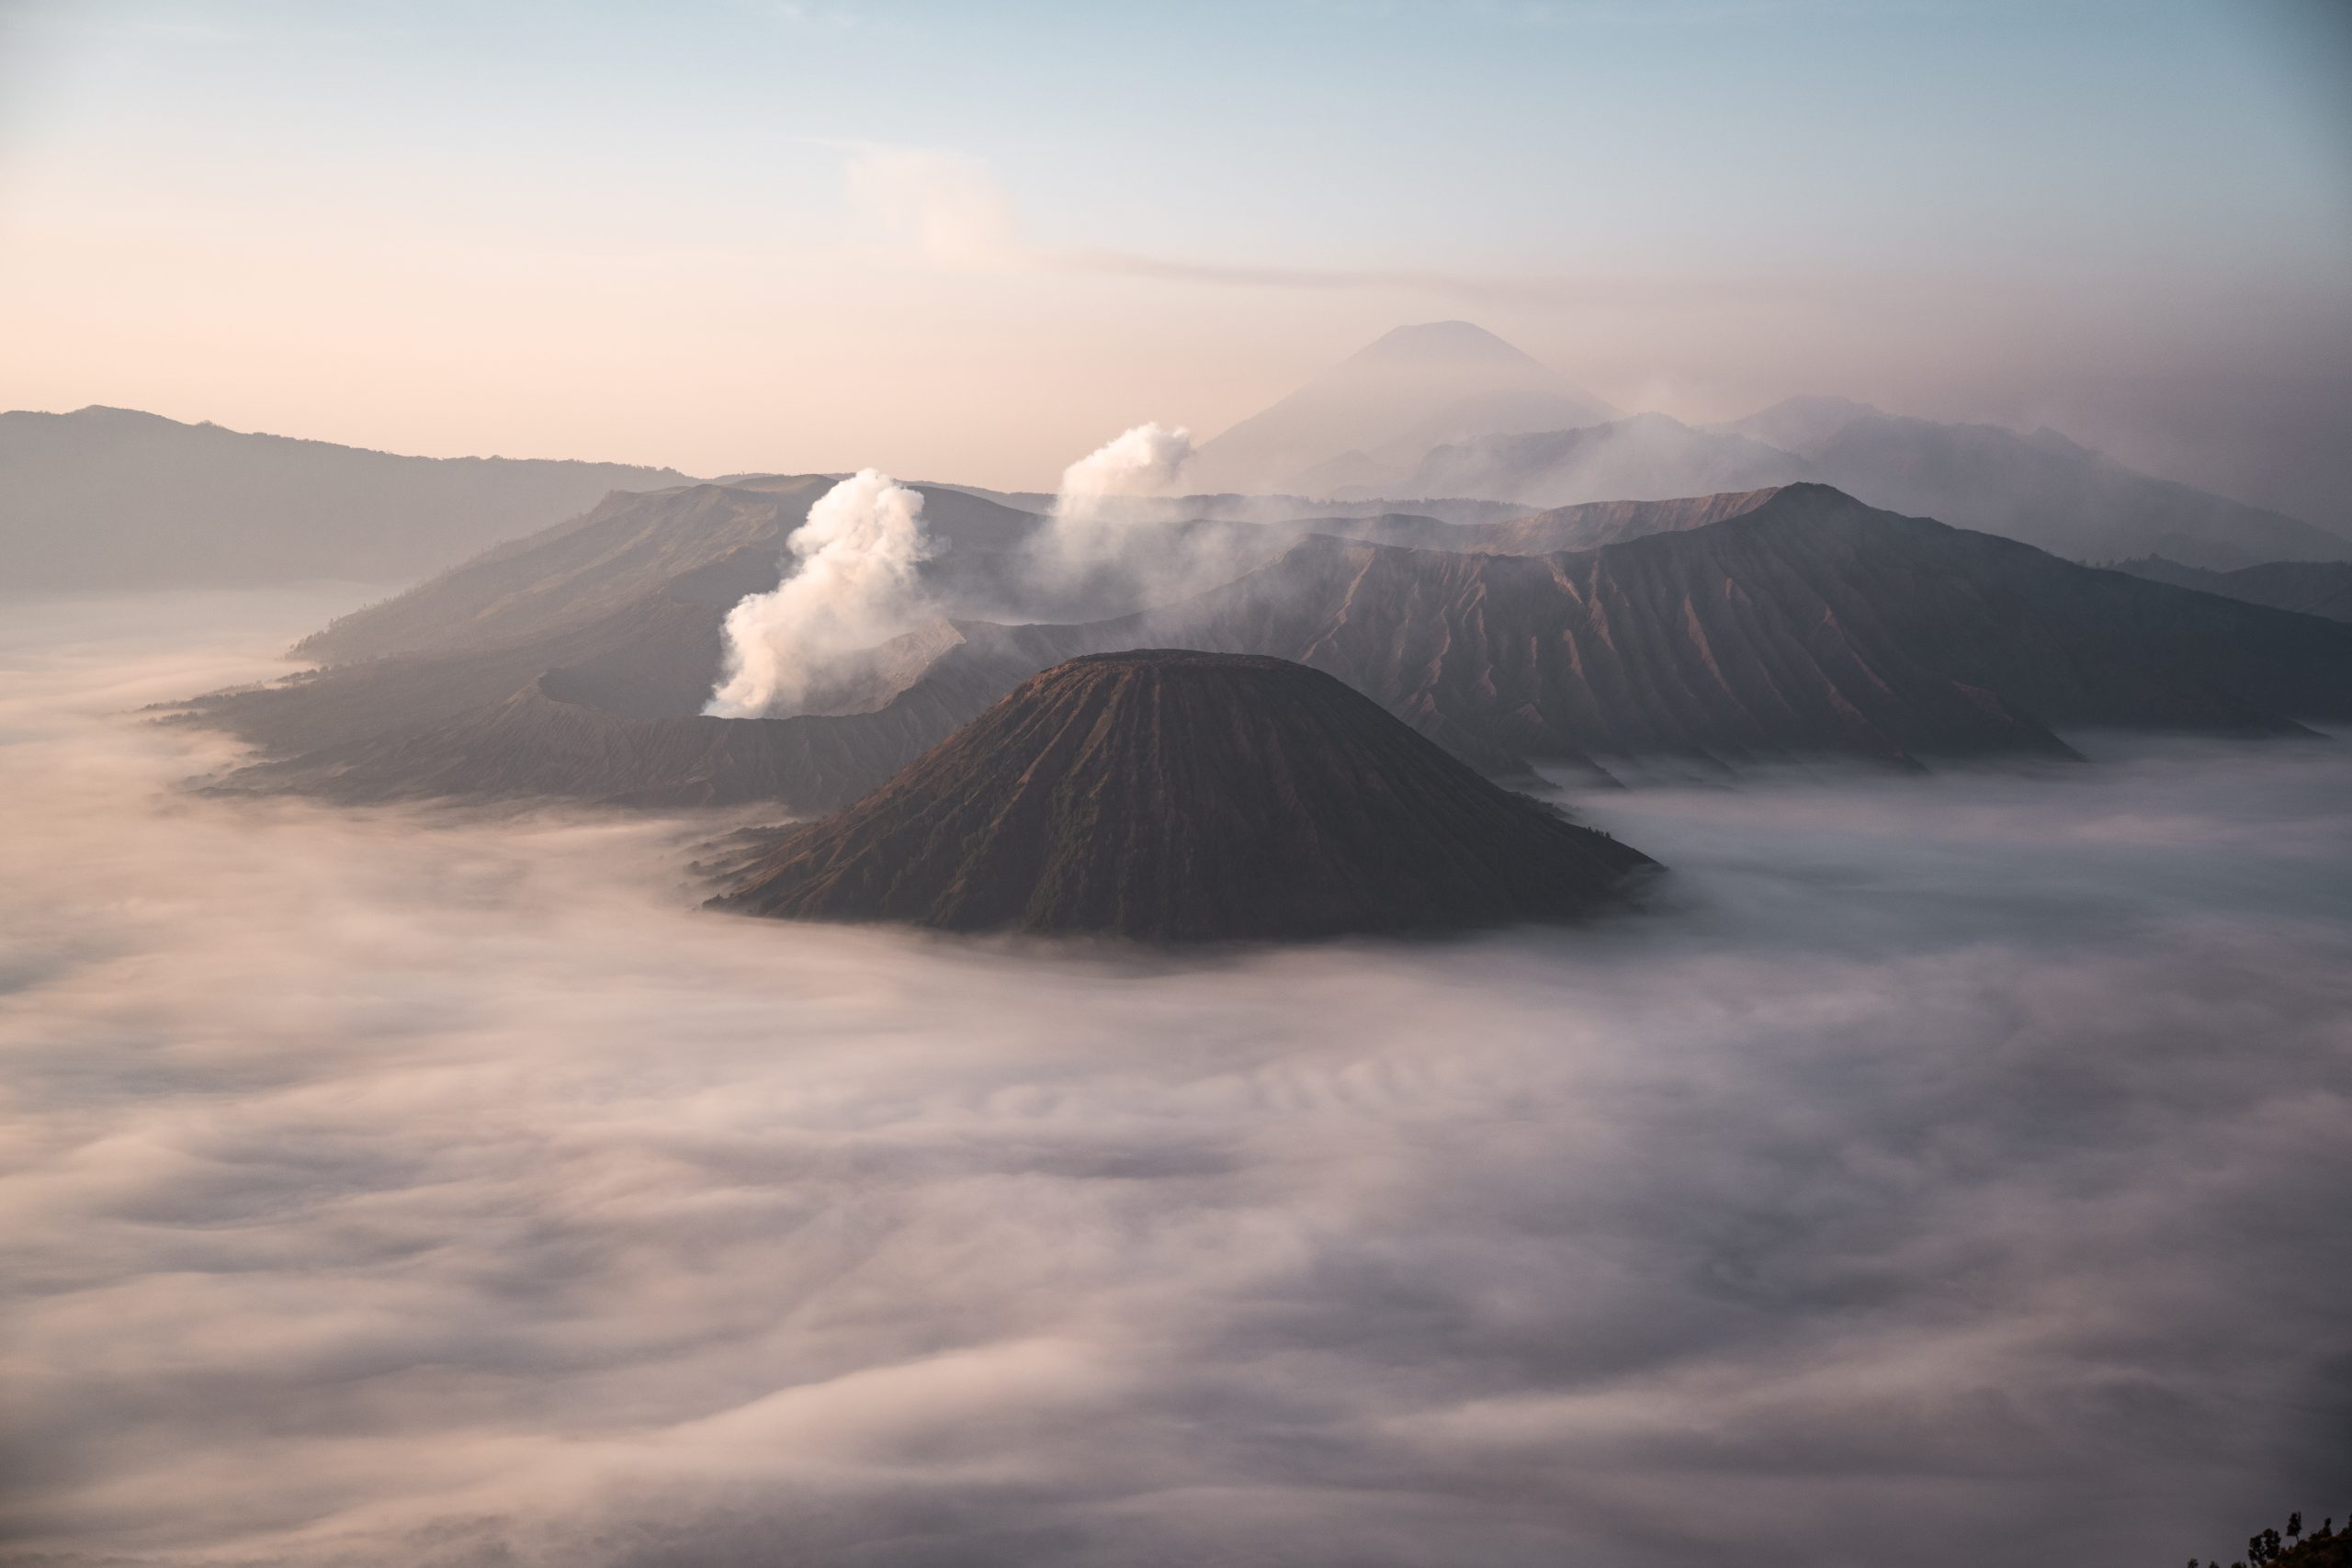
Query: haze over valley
x=1848 y=1190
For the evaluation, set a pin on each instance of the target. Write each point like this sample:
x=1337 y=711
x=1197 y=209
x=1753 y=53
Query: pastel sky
x=974 y=240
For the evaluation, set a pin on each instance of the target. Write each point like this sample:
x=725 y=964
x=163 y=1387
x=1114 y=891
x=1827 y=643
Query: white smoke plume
x=1096 y=546
x=1145 y=460
x=856 y=587
x=1104 y=547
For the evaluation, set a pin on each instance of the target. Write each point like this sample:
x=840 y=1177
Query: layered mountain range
x=719 y=541
x=2042 y=488
x=1353 y=427
x=2310 y=587
x=1648 y=456
x=110 y=498
x=1445 y=412
x=1171 y=795
x=1377 y=427
x=1738 y=629
x=716 y=542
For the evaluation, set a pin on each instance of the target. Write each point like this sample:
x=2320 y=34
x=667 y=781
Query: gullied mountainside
x=1809 y=623
x=606 y=711
x=1175 y=795
x=1228 y=507
x=2308 y=587
x=631 y=545
x=1358 y=425
x=1647 y=458
x=1805 y=625
x=109 y=497
x=715 y=543
x=546 y=741
x=1581 y=527
x=2043 y=489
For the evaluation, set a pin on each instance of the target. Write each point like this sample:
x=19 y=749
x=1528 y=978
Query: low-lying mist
x=1943 y=1171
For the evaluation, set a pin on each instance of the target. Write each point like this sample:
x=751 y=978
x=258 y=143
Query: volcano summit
x=1173 y=795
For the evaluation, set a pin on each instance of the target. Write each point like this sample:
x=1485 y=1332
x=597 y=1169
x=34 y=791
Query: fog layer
x=1944 y=1172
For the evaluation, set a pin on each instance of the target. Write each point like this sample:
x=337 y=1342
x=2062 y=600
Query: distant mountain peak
x=1376 y=414
x=1826 y=403
x=108 y=413
x=1648 y=419
x=1644 y=457
x=1451 y=341
x=1802 y=424
x=2052 y=439
x=106 y=497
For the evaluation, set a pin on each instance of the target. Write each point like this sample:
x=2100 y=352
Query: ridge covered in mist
x=722 y=540
x=2308 y=587
x=110 y=498
x=730 y=535
x=1802 y=623
x=2042 y=488
x=1367 y=417
x=1443 y=421
x=1649 y=457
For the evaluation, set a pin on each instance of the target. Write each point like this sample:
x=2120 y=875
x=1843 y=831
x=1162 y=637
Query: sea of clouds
x=1945 y=1171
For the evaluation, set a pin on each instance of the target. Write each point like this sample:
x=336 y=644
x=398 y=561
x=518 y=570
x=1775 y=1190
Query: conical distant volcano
x=1366 y=420
x=1174 y=795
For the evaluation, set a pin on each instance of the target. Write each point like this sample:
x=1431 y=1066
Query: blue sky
x=1987 y=209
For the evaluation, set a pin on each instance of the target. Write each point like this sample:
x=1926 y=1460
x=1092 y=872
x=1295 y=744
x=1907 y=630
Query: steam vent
x=1177 y=797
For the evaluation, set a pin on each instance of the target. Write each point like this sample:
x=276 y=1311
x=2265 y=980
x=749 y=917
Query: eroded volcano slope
x=1806 y=625
x=1176 y=795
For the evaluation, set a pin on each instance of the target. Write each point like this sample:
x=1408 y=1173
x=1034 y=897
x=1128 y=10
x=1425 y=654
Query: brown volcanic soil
x=1173 y=795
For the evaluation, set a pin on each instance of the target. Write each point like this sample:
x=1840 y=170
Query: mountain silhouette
x=111 y=498
x=1365 y=420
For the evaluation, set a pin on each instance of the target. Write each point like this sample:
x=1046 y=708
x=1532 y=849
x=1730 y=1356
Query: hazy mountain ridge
x=1230 y=506
x=1810 y=624
x=2307 y=587
x=1579 y=528
x=627 y=601
x=1648 y=456
x=628 y=547
x=1805 y=625
x=1415 y=388
x=720 y=542
x=1445 y=411
x=2044 y=489
x=1177 y=796
x=111 y=498
x=540 y=744
x=1800 y=424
